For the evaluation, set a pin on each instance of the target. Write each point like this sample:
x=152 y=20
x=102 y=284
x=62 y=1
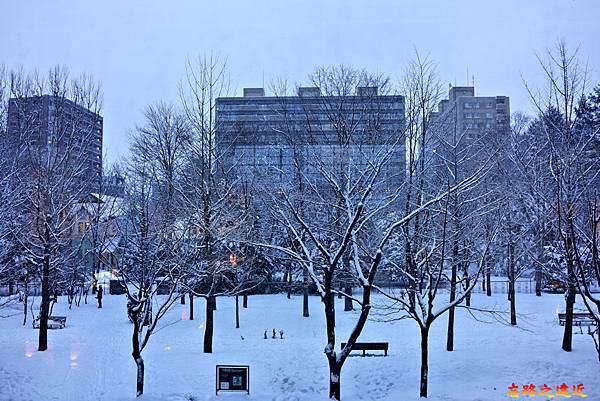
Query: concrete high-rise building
x=45 y=125
x=475 y=115
x=269 y=135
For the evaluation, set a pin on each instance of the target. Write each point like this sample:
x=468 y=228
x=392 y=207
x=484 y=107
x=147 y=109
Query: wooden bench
x=580 y=319
x=54 y=322
x=369 y=347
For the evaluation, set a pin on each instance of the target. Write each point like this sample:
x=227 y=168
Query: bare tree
x=429 y=272
x=209 y=194
x=346 y=222
x=56 y=174
x=460 y=152
x=291 y=131
x=11 y=268
x=150 y=262
x=572 y=173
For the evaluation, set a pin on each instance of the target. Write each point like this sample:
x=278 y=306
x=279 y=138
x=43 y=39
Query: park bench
x=580 y=319
x=54 y=322
x=369 y=347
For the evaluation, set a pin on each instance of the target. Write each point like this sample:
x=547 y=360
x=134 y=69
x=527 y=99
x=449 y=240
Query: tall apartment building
x=268 y=134
x=42 y=125
x=474 y=115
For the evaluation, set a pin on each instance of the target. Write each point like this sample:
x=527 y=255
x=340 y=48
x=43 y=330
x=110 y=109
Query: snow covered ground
x=90 y=359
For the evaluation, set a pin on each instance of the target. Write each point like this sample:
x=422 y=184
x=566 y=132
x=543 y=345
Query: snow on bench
x=382 y=346
x=580 y=319
x=54 y=322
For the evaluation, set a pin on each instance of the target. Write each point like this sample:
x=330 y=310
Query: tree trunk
x=513 y=307
x=237 y=312
x=45 y=305
x=567 y=343
x=488 y=274
x=289 y=286
x=424 y=361
x=191 y=306
x=139 y=362
x=334 y=382
x=483 y=283
x=538 y=265
x=467 y=283
x=305 y=302
x=25 y=300
x=214 y=303
x=334 y=368
x=208 y=328
x=538 y=278
x=598 y=342
x=182 y=299
x=450 y=336
x=245 y=301
x=305 y=293
x=136 y=353
x=512 y=274
x=347 y=300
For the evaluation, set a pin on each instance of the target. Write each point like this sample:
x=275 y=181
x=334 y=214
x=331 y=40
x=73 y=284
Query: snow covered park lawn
x=90 y=359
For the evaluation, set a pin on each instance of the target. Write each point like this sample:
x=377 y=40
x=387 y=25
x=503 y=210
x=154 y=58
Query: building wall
x=42 y=124
x=476 y=115
x=267 y=135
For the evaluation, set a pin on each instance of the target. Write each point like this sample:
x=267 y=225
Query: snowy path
x=90 y=359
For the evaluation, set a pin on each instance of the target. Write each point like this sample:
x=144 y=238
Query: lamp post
x=233 y=262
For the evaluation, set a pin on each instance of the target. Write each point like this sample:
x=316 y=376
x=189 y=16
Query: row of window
x=477 y=105
x=479 y=115
x=479 y=125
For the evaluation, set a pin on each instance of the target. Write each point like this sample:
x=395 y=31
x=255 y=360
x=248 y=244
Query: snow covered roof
x=108 y=206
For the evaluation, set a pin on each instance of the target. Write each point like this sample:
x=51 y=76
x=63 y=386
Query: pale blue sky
x=137 y=49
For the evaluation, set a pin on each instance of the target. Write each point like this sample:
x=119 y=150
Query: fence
x=525 y=286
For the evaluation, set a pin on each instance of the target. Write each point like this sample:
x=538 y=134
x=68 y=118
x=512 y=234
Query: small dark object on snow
x=274 y=334
x=281 y=334
x=242 y=338
x=265 y=334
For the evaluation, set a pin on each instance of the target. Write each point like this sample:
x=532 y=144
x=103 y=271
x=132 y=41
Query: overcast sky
x=137 y=49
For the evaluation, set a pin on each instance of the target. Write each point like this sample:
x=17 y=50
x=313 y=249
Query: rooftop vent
x=366 y=91
x=309 y=91
x=254 y=92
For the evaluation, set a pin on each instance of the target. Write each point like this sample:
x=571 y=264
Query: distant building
x=114 y=185
x=475 y=115
x=95 y=234
x=46 y=124
x=269 y=134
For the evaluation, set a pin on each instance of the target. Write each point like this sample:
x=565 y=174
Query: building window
x=476 y=105
x=468 y=105
x=83 y=226
x=488 y=115
x=489 y=105
x=468 y=115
